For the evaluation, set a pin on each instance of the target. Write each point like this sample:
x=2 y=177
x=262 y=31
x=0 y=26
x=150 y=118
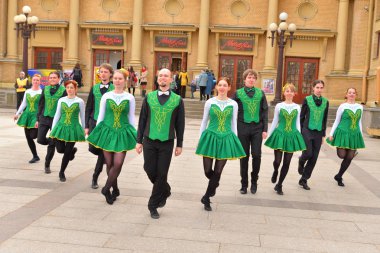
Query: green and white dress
x=347 y=128
x=29 y=108
x=219 y=138
x=115 y=131
x=66 y=126
x=285 y=132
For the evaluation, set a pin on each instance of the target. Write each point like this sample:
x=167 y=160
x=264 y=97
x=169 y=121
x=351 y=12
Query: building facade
x=336 y=40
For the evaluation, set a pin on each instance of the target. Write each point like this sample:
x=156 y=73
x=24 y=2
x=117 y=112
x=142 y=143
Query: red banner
x=236 y=44
x=170 y=42
x=107 y=39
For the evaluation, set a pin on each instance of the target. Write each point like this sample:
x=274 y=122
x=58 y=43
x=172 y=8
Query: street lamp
x=26 y=25
x=281 y=42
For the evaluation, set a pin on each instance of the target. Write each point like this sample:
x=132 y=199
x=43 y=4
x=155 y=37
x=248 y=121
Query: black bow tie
x=160 y=93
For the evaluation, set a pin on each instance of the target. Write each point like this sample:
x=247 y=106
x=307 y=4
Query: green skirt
x=221 y=147
x=27 y=119
x=286 y=141
x=347 y=139
x=113 y=139
x=68 y=133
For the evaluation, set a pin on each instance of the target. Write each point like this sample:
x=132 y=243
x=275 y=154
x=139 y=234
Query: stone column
x=73 y=47
x=270 y=52
x=136 y=34
x=204 y=21
x=3 y=28
x=11 y=33
x=341 y=40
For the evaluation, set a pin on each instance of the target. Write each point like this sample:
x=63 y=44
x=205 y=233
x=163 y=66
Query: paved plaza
x=38 y=213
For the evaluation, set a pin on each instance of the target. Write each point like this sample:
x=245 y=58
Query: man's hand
x=86 y=131
x=178 y=151
x=139 y=148
x=36 y=125
x=265 y=134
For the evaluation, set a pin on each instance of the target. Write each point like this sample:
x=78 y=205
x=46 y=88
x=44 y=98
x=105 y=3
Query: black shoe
x=62 y=177
x=303 y=183
x=47 y=169
x=162 y=203
x=34 y=159
x=274 y=176
x=253 y=187
x=206 y=202
x=108 y=196
x=243 y=190
x=94 y=184
x=154 y=214
x=73 y=153
x=115 y=193
x=339 y=180
x=278 y=189
x=301 y=167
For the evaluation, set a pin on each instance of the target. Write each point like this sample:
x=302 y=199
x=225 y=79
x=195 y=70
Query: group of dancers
x=231 y=128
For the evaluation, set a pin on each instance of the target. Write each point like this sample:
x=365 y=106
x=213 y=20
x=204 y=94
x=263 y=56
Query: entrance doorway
x=113 y=57
x=233 y=66
x=301 y=72
x=170 y=60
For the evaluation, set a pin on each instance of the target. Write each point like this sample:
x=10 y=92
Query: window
x=48 y=58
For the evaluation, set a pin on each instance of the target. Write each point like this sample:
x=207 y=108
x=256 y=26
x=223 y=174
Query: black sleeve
x=180 y=124
x=142 y=121
x=90 y=106
x=264 y=111
x=324 y=124
x=41 y=105
x=304 y=112
x=28 y=85
x=234 y=97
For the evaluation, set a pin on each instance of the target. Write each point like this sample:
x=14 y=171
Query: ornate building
x=336 y=40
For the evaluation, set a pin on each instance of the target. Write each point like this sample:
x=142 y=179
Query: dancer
x=46 y=111
x=313 y=128
x=92 y=113
x=66 y=129
x=219 y=139
x=162 y=118
x=346 y=132
x=115 y=133
x=252 y=127
x=285 y=135
x=29 y=116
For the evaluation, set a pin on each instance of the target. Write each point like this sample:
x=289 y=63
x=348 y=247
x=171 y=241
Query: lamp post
x=26 y=25
x=281 y=42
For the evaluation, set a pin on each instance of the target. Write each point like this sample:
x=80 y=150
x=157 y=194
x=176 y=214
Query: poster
x=44 y=75
x=96 y=75
x=268 y=86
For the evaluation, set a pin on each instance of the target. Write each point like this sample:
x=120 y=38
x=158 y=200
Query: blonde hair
x=36 y=75
x=288 y=86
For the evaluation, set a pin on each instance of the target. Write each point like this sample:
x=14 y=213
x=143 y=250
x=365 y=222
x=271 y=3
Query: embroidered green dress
x=66 y=126
x=115 y=131
x=30 y=102
x=347 y=129
x=284 y=133
x=219 y=139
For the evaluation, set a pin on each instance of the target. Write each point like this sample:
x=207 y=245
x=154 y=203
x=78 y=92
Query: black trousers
x=44 y=125
x=19 y=96
x=183 y=91
x=202 y=90
x=157 y=158
x=96 y=151
x=313 y=141
x=251 y=138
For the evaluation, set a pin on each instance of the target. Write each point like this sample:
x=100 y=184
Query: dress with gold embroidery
x=115 y=131
x=219 y=140
x=347 y=128
x=285 y=132
x=29 y=108
x=66 y=126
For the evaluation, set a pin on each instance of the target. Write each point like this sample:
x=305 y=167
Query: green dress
x=285 y=136
x=346 y=131
x=66 y=126
x=218 y=141
x=114 y=133
x=28 y=118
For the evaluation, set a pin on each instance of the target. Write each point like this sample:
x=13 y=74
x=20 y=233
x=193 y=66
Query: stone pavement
x=40 y=214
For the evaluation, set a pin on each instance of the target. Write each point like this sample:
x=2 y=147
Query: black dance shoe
x=154 y=214
x=115 y=193
x=47 y=169
x=73 y=153
x=253 y=187
x=274 y=176
x=206 y=202
x=34 y=159
x=94 y=184
x=62 y=177
x=162 y=203
x=278 y=189
x=107 y=195
x=243 y=190
x=339 y=180
x=303 y=183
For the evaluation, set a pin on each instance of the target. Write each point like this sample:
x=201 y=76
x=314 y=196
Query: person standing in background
x=132 y=80
x=22 y=83
x=76 y=75
x=183 y=80
x=143 y=81
x=202 y=83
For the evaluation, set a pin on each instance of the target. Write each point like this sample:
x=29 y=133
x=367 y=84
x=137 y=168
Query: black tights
x=30 y=134
x=347 y=155
x=213 y=175
x=65 y=148
x=114 y=162
x=285 y=164
x=133 y=90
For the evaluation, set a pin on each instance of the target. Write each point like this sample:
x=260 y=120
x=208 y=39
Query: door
x=233 y=67
x=113 y=57
x=301 y=72
x=48 y=58
x=170 y=60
